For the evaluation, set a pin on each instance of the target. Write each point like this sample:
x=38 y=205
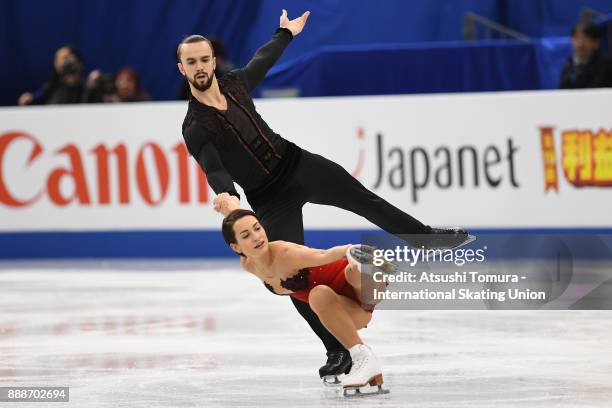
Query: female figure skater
x=328 y=281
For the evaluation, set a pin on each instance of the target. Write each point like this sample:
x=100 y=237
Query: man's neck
x=211 y=97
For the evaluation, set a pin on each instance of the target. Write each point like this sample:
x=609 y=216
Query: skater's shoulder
x=195 y=127
x=281 y=245
x=285 y=247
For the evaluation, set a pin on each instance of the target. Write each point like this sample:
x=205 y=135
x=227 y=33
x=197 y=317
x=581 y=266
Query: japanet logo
x=418 y=169
x=152 y=182
x=586 y=157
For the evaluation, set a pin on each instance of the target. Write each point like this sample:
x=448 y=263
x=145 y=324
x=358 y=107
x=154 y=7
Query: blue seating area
x=482 y=66
x=347 y=48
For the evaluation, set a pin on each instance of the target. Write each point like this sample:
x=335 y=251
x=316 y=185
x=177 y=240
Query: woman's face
x=125 y=84
x=251 y=238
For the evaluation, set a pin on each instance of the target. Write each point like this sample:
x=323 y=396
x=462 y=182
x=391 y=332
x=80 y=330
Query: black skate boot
x=443 y=238
x=338 y=363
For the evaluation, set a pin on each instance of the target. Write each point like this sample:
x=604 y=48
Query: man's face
x=584 y=46
x=197 y=64
x=61 y=56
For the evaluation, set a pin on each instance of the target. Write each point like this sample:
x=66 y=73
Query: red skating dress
x=331 y=274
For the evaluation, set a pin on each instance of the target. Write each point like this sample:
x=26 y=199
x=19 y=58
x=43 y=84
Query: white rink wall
x=475 y=160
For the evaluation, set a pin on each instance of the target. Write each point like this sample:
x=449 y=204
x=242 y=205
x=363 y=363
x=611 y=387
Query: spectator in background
x=127 y=88
x=588 y=67
x=99 y=85
x=223 y=66
x=66 y=83
x=124 y=86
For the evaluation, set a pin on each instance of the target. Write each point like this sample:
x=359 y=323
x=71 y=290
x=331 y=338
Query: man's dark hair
x=193 y=39
x=591 y=30
x=73 y=50
x=227 y=227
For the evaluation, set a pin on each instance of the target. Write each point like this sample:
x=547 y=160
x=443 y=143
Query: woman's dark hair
x=227 y=227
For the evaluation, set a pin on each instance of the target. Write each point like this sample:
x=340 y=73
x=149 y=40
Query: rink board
x=116 y=181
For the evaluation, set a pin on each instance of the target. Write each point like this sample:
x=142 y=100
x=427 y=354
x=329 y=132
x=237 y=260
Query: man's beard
x=201 y=86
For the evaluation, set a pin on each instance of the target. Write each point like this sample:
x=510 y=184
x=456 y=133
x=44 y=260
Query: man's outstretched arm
x=267 y=55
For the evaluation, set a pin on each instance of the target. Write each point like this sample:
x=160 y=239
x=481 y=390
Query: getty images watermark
x=412 y=257
x=497 y=271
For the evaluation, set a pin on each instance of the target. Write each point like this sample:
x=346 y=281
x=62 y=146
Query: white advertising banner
x=498 y=160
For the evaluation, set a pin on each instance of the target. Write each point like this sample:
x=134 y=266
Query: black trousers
x=318 y=180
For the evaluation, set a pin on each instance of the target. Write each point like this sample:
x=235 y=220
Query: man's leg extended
x=325 y=182
x=328 y=183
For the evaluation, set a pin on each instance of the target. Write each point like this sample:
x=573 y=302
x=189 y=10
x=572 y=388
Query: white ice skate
x=365 y=371
x=363 y=256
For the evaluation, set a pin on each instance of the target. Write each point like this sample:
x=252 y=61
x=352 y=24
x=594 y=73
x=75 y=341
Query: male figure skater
x=232 y=143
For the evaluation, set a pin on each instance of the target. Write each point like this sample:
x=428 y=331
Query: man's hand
x=93 y=78
x=225 y=203
x=295 y=25
x=25 y=99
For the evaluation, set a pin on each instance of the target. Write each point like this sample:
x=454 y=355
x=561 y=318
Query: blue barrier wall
x=593 y=243
x=494 y=65
x=143 y=34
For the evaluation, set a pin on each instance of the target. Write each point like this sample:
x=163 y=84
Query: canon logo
x=152 y=181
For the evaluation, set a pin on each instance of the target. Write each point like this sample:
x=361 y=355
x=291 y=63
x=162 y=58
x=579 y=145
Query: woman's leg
x=283 y=221
x=363 y=284
x=339 y=314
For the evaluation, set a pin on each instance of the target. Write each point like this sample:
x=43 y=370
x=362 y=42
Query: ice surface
x=206 y=334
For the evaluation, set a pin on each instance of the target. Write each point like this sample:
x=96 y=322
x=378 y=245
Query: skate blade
x=331 y=381
x=353 y=392
x=471 y=238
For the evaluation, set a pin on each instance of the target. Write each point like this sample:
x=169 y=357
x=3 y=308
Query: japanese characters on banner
x=586 y=159
x=509 y=160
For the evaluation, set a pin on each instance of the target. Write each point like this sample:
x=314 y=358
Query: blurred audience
x=66 y=82
x=127 y=88
x=67 y=85
x=223 y=66
x=98 y=86
x=124 y=86
x=588 y=67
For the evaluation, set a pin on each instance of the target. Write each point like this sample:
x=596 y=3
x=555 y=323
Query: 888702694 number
x=34 y=394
